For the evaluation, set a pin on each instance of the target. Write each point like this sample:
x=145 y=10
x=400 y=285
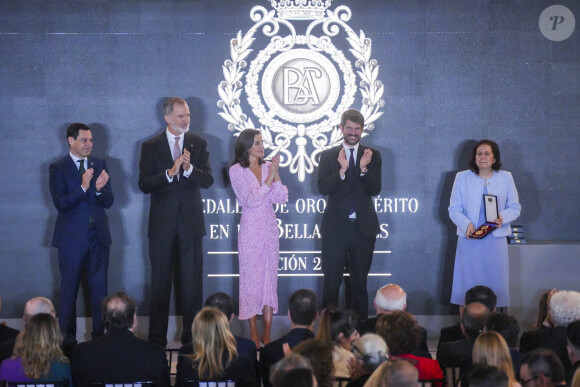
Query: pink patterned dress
x=258 y=243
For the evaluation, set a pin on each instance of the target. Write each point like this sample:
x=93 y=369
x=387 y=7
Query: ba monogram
x=298 y=85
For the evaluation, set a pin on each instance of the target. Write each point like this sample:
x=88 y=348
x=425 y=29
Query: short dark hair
x=352 y=115
x=73 y=129
x=473 y=321
x=222 y=302
x=494 y=149
x=119 y=315
x=507 y=326
x=487 y=376
x=573 y=332
x=243 y=144
x=482 y=294
x=169 y=104
x=546 y=362
x=400 y=331
x=303 y=306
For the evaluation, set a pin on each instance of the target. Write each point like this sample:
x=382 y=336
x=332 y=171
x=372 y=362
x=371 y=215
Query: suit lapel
x=164 y=150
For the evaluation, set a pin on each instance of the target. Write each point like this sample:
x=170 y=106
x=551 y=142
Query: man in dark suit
x=388 y=299
x=119 y=356
x=350 y=175
x=174 y=166
x=223 y=302
x=479 y=293
x=453 y=353
x=81 y=191
x=302 y=312
x=33 y=307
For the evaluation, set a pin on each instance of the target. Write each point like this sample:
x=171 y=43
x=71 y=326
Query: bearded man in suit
x=174 y=166
x=350 y=175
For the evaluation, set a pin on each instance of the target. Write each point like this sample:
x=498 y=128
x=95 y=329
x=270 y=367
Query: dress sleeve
x=249 y=192
x=512 y=206
x=457 y=203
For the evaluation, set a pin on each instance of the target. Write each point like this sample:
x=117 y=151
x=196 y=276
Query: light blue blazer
x=466 y=200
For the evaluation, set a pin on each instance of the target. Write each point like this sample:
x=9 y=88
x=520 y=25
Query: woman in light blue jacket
x=482 y=261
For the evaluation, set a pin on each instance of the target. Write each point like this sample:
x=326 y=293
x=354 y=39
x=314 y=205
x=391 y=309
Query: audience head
x=541 y=367
x=473 y=319
x=338 y=326
x=487 y=376
x=504 y=324
x=222 y=302
x=119 y=311
x=320 y=355
x=371 y=350
x=576 y=379
x=212 y=340
x=573 y=332
x=303 y=307
x=564 y=307
x=394 y=373
x=37 y=305
x=292 y=367
x=491 y=349
x=389 y=298
x=39 y=345
x=543 y=309
x=400 y=331
x=483 y=295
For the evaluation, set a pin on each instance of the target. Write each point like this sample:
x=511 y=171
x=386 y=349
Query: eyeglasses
x=524 y=382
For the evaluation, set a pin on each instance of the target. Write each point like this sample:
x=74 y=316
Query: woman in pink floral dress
x=257 y=185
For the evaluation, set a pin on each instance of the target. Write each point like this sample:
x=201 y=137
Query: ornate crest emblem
x=299 y=84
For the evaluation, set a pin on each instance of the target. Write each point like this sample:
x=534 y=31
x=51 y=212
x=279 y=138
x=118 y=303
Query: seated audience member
x=119 y=356
x=33 y=307
x=394 y=373
x=212 y=355
x=369 y=352
x=481 y=294
x=452 y=354
x=302 y=312
x=491 y=349
x=389 y=298
x=222 y=302
x=320 y=355
x=573 y=333
x=37 y=354
x=338 y=329
x=292 y=367
x=576 y=379
x=6 y=333
x=487 y=376
x=541 y=367
x=400 y=332
x=563 y=308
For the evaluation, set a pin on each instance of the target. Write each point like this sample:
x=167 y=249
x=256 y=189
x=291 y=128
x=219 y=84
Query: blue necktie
x=351 y=172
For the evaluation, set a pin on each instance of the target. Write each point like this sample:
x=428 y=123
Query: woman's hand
x=273 y=170
x=498 y=221
x=470 y=229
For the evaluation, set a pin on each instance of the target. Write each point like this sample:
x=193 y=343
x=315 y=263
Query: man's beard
x=181 y=129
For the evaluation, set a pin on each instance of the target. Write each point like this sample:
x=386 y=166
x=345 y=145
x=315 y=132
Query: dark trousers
x=180 y=252
x=354 y=251
x=94 y=258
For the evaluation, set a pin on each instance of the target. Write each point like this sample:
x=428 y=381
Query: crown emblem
x=300 y=9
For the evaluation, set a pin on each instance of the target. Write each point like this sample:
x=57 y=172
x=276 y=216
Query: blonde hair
x=576 y=379
x=490 y=348
x=39 y=345
x=211 y=340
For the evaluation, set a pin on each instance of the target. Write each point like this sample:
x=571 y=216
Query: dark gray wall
x=454 y=72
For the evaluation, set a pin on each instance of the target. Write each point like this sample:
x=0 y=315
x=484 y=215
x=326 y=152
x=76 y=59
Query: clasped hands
x=365 y=160
x=183 y=161
x=101 y=180
x=274 y=174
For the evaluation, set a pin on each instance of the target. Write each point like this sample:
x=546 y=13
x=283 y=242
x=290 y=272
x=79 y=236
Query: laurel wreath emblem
x=278 y=135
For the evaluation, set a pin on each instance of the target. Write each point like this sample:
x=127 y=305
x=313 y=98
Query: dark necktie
x=351 y=172
x=82 y=169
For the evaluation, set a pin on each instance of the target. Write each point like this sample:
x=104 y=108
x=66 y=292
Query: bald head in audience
x=389 y=298
x=37 y=305
x=473 y=319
